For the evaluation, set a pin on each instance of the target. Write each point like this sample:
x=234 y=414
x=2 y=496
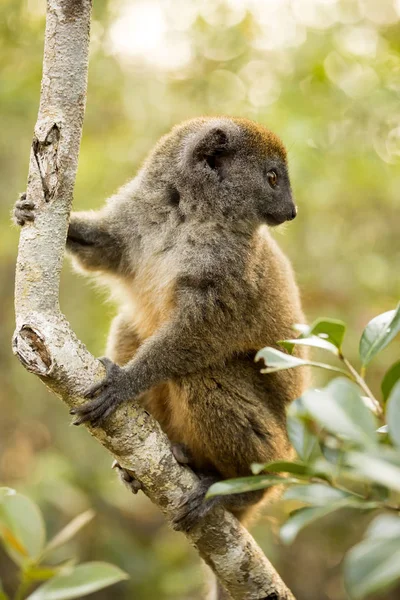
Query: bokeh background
x=324 y=75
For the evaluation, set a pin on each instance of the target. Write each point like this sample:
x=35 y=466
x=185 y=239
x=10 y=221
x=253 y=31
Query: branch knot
x=29 y=346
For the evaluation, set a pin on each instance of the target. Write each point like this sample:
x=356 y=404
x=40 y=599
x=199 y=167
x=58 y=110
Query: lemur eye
x=272 y=178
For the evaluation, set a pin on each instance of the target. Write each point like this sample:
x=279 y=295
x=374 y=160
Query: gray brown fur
x=201 y=286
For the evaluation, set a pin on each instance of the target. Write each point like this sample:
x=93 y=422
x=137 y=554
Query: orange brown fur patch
x=261 y=138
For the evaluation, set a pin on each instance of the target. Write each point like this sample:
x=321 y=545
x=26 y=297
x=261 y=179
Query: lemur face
x=226 y=166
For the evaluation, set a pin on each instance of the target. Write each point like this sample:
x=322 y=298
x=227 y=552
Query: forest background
x=325 y=76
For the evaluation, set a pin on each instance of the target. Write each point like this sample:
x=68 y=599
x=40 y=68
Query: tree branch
x=44 y=342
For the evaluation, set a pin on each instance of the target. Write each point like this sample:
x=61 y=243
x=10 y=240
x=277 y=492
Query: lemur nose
x=293 y=213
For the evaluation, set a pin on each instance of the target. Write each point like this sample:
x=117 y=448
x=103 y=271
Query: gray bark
x=45 y=343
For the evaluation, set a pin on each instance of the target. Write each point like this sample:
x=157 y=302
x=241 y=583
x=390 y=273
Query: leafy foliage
x=346 y=459
x=276 y=360
x=79 y=581
x=389 y=380
x=23 y=534
x=393 y=414
x=373 y=565
x=378 y=334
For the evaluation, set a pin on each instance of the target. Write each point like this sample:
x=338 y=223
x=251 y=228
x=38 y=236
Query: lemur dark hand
x=104 y=397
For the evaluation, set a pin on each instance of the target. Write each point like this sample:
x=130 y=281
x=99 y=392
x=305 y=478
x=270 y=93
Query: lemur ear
x=211 y=149
x=211 y=143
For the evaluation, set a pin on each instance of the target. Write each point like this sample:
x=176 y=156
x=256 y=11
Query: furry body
x=201 y=285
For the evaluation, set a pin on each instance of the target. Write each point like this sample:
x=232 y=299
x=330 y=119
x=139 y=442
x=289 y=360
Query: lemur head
x=229 y=166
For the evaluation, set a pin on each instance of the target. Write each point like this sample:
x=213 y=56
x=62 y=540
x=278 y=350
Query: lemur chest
x=152 y=294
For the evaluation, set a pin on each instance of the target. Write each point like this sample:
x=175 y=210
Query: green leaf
x=379 y=492
x=393 y=414
x=383 y=429
x=15 y=549
x=331 y=330
x=305 y=516
x=275 y=360
x=371 y=404
x=257 y=468
x=280 y=467
x=79 y=581
x=43 y=572
x=294 y=468
x=332 y=451
x=313 y=341
x=336 y=471
x=373 y=566
x=389 y=380
x=378 y=334
x=302 y=439
x=69 y=531
x=384 y=526
x=21 y=527
x=288 y=345
x=302 y=328
x=316 y=494
x=339 y=408
x=376 y=468
x=6 y=491
x=247 y=484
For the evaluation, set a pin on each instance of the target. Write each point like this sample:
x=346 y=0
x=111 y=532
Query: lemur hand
x=24 y=210
x=104 y=397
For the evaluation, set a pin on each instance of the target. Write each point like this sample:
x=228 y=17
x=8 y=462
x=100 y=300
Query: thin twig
x=361 y=382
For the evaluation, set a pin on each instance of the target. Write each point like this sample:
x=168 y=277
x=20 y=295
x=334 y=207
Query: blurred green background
x=324 y=75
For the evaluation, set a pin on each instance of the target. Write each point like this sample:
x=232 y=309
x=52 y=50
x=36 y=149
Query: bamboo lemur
x=202 y=286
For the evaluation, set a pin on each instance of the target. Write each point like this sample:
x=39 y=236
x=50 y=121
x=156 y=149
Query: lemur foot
x=127 y=478
x=104 y=397
x=194 y=506
x=24 y=210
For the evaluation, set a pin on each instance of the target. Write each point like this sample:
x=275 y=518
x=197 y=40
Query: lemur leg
x=245 y=439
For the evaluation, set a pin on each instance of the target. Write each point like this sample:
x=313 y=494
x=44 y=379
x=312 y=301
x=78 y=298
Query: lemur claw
x=127 y=478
